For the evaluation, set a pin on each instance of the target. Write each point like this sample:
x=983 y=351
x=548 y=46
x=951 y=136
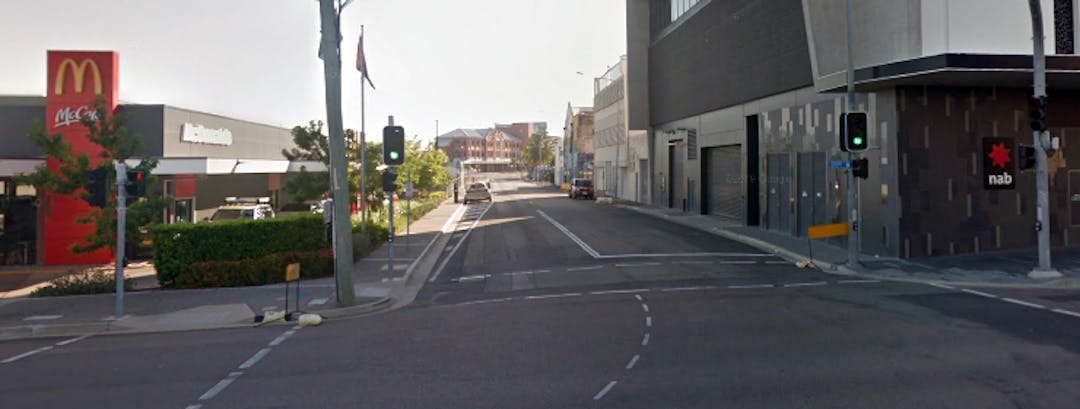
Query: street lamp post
x=1042 y=189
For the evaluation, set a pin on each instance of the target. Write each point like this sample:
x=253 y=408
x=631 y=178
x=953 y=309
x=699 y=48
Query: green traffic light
x=858 y=141
x=393 y=155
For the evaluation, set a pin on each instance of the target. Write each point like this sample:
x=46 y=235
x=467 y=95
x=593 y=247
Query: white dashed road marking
x=811 y=284
x=633 y=361
x=633 y=291
x=750 y=286
x=220 y=386
x=604 y=391
x=979 y=293
x=42 y=317
x=697 y=288
x=584 y=268
x=544 y=297
x=255 y=358
x=858 y=281
x=1066 y=312
x=645 y=339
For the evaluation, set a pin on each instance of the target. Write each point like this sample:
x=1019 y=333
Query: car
x=581 y=188
x=476 y=192
x=243 y=208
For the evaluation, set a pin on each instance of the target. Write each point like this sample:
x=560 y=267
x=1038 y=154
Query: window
x=680 y=7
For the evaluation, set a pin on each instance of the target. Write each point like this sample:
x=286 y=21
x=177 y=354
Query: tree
x=313 y=145
x=425 y=166
x=110 y=132
x=539 y=149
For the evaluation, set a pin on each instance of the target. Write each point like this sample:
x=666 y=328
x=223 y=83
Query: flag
x=361 y=62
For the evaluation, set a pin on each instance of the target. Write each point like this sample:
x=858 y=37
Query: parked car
x=581 y=188
x=243 y=208
x=477 y=191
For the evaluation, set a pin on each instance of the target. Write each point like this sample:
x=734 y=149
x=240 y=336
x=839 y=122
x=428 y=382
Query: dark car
x=581 y=188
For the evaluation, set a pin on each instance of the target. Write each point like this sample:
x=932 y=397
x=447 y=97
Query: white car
x=236 y=208
x=476 y=192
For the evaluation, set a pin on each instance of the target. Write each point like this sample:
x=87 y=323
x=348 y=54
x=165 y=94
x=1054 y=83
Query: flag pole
x=363 y=150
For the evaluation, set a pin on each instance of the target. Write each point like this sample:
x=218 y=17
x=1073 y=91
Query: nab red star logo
x=999 y=156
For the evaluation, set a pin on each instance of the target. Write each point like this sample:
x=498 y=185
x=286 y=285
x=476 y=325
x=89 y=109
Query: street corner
x=361 y=307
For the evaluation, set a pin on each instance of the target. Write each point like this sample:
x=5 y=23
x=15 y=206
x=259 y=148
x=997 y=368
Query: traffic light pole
x=343 y=259
x=121 y=233
x=390 y=222
x=853 y=182
x=1042 y=189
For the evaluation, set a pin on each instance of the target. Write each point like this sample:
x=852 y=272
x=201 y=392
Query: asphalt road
x=613 y=309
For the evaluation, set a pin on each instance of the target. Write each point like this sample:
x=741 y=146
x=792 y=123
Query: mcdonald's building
x=202 y=159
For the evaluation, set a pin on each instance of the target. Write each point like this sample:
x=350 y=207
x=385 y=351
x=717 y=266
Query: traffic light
x=1025 y=157
x=1038 y=114
x=393 y=145
x=388 y=178
x=860 y=168
x=136 y=184
x=854 y=136
x=97 y=187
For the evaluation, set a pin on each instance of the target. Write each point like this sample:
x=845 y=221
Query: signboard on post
x=409 y=192
x=999 y=168
x=292 y=272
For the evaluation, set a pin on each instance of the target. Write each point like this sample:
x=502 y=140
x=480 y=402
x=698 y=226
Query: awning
x=976 y=70
x=12 y=167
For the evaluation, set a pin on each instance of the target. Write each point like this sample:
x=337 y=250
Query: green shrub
x=364 y=243
x=267 y=269
x=86 y=282
x=438 y=196
x=177 y=247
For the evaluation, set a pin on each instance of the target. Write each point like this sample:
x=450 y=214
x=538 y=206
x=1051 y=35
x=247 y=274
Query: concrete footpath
x=378 y=287
x=988 y=269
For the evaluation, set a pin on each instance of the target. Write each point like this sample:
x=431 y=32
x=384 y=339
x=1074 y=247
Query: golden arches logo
x=79 y=70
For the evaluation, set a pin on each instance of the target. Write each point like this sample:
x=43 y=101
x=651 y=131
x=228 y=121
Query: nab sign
x=999 y=169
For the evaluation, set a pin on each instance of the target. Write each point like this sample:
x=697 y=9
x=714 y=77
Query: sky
x=465 y=63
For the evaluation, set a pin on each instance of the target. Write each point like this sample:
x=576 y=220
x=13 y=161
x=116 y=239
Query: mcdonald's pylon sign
x=79 y=70
x=74 y=80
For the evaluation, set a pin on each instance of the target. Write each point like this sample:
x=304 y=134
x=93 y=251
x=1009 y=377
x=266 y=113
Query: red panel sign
x=74 y=80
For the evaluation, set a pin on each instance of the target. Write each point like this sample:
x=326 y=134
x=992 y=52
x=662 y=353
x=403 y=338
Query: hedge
x=178 y=247
x=267 y=269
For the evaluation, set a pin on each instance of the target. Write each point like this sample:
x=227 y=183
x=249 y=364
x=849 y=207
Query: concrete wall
x=791 y=123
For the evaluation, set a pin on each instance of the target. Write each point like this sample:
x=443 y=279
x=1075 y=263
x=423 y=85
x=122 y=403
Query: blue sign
x=840 y=164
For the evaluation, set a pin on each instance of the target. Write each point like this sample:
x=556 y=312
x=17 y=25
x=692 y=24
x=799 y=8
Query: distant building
x=622 y=154
x=486 y=149
x=578 y=142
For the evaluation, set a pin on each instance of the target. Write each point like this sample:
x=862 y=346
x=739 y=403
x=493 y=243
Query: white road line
x=543 y=271
x=474 y=278
x=384 y=279
x=453 y=217
x=700 y=287
x=193 y=407
x=810 y=284
x=519 y=273
x=648 y=255
x=569 y=234
x=645 y=339
x=633 y=361
x=777 y=262
x=486 y=301
x=750 y=286
x=26 y=354
x=318 y=301
x=255 y=358
x=859 y=281
x=633 y=291
x=216 y=389
x=648 y=321
x=1020 y=302
x=638 y=296
x=604 y=391
x=636 y=264
x=73 y=340
x=542 y=297
x=1066 y=312
x=584 y=268
x=980 y=293
x=941 y=286
x=42 y=317
x=645 y=307
x=412 y=266
x=456 y=246
x=736 y=262
x=281 y=338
